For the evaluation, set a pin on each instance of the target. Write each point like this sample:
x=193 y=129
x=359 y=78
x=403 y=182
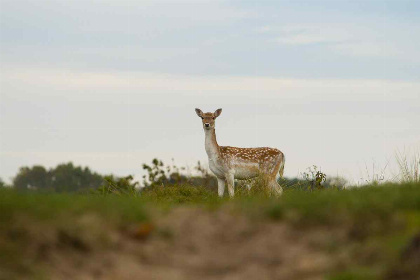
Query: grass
x=409 y=167
x=328 y=207
x=176 y=195
x=334 y=206
x=378 y=220
x=51 y=206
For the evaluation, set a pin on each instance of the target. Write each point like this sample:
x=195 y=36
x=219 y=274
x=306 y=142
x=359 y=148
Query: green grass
x=332 y=206
x=178 y=195
x=51 y=206
x=365 y=206
x=377 y=220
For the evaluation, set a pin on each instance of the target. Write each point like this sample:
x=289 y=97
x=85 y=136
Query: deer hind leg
x=275 y=174
x=270 y=183
x=276 y=188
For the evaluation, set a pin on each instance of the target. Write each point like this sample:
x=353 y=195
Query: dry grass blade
x=408 y=167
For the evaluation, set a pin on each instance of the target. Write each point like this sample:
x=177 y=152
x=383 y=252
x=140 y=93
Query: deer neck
x=212 y=148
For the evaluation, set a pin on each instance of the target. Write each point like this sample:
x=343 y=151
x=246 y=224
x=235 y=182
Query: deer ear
x=199 y=112
x=217 y=113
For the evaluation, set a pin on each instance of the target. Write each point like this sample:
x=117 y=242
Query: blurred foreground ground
x=188 y=233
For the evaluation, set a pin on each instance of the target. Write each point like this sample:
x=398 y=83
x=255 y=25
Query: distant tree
x=31 y=178
x=2 y=183
x=69 y=178
x=63 y=178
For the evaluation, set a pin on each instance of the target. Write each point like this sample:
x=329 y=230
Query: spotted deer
x=228 y=163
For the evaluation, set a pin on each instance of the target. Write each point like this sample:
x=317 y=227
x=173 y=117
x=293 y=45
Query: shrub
x=114 y=185
x=315 y=178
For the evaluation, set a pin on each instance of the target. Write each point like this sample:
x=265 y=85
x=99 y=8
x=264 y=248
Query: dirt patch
x=188 y=243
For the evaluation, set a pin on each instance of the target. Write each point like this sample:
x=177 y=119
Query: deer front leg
x=220 y=186
x=230 y=180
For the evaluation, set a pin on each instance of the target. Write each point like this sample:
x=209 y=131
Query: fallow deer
x=228 y=163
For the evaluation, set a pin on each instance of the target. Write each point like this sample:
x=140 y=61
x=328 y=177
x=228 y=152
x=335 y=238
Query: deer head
x=208 y=119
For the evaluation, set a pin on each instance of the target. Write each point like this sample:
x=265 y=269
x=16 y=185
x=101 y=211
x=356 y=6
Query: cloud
x=303 y=39
x=369 y=49
x=345 y=39
x=72 y=78
x=305 y=35
x=205 y=38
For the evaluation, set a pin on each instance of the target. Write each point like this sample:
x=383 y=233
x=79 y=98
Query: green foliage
x=315 y=177
x=293 y=183
x=312 y=180
x=159 y=174
x=63 y=178
x=179 y=194
x=31 y=178
x=364 y=207
x=2 y=184
x=70 y=178
x=54 y=206
x=66 y=177
x=115 y=185
x=156 y=174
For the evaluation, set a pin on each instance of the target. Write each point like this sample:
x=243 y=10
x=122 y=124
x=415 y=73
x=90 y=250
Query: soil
x=194 y=244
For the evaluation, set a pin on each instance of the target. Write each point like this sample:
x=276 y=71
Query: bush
x=159 y=174
x=114 y=185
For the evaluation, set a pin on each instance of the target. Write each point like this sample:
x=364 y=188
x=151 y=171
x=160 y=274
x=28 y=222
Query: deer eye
x=202 y=118
x=214 y=118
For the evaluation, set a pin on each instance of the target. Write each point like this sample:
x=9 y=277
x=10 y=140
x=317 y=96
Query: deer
x=230 y=163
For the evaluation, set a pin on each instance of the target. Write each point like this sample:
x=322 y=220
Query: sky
x=112 y=84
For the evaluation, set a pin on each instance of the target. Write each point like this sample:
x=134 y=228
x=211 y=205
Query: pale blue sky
x=112 y=84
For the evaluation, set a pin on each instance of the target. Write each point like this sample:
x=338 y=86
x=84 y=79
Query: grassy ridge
x=381 y=219
x=317 y=206
x=51 y=206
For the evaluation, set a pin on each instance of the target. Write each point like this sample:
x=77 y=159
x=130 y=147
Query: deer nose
x=206 y=124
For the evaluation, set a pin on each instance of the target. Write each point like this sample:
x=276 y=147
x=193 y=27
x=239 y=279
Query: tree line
x=67 y=177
